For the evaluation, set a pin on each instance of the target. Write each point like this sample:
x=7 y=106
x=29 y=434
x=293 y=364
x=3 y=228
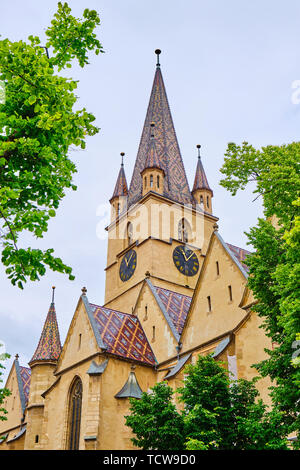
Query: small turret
x=202 y=193
x=118 y=200
x=152 y=174
x=42 y=365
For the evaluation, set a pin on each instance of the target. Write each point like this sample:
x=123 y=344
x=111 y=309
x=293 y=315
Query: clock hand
x=190 y=256
x=184 y=255
x=129 y=259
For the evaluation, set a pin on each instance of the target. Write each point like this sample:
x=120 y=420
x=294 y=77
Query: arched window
x=75 y=403
x=151 y=181
x=201 y=200
x=207 y=201
x=157 y=181
x=129 y=233
x=184 y=230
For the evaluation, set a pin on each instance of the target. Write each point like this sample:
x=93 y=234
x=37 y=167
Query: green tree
x=217 y=414
x=155 y=421
x=38 y=124
x=4 y=392
x=274 y=266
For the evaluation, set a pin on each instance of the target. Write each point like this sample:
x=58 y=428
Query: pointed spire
x=49 y=346
x=121 y=188
x=200 y=181
x=152 y=160
x=167 y=149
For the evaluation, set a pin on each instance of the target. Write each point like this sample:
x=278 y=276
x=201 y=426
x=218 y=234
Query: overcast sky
x=228 y=68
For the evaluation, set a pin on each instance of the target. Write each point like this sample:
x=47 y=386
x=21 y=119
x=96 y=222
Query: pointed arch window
x=157 y=181
x=75 y=405
x=151 y=181
x=184 y=230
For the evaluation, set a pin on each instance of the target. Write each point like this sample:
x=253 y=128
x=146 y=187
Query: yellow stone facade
x=217 y=319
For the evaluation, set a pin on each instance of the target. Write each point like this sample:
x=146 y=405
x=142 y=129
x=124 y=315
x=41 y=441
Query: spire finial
x=84 y=290
x=199 y=147
x=53 y=291
x=157 y=52
x=17 y=357
x=122 y=155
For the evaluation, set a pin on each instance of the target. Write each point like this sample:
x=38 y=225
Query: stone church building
x=174 y=289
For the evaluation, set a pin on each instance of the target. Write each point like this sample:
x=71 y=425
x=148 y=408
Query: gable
x=13 y=403
x=156 y=323
x=80 y=341
x=215 y=305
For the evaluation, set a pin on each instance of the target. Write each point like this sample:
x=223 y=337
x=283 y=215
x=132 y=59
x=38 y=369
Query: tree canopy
x=217 y=414
x=38 y=125
x=274 y=266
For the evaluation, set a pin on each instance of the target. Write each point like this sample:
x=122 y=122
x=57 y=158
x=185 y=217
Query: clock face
x=185 y=261
x=128 y=265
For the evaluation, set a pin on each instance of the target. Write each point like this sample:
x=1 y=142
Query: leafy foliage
x=155 y=421
x=274 y=266
x=38 y=124
x=217 y=414
x=4 y=392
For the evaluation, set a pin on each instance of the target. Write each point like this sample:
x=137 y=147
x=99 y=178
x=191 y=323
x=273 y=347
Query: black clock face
x=128 y=265
x=185 y=261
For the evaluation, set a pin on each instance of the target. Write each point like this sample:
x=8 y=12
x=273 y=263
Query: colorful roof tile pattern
x=152 y=160
x=123 y=334
x=25 y=373
x=176 y=305
x=200 y=181
x=176 y=185
x=240 y=254
x=49 y=347
x=121 y=188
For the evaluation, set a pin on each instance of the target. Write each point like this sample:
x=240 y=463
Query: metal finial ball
x=122 y=154
x=84 y=290
x=198 y=146
x=157 y=51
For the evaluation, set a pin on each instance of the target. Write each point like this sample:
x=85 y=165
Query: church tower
x=201 y=192
x=42 y=365
x=158 y=217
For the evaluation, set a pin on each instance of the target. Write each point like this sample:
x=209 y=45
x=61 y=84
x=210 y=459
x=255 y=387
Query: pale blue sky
x=228 y=68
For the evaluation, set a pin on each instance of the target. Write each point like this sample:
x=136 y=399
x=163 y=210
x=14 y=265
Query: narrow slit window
x=145 y=181
x=36 y=439
x=230 y=293
x=207 y=201
x=151 y=181
x=79 y=341
x=146 y=312
x=209 y=303
x=218 y=269
x=158 y=182
x=153 y=333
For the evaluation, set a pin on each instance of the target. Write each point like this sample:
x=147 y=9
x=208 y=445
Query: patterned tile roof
x=200 y=181
x=123 y=334
x=152 y=160
x=176 y=185
x=121 y=188
x=25 y=373
x=240 y=254
x=49 y=346
x=176 y=305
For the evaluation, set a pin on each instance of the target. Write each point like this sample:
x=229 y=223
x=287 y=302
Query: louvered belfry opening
x=75 y=405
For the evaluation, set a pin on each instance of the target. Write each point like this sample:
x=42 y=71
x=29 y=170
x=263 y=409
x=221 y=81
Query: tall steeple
x=202 y=193
x=176 y=186
x=49 y=346
x=120 y=193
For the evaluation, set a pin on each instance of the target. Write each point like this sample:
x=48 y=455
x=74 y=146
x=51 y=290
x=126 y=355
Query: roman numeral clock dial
x=186 y=261
x=128 y=265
